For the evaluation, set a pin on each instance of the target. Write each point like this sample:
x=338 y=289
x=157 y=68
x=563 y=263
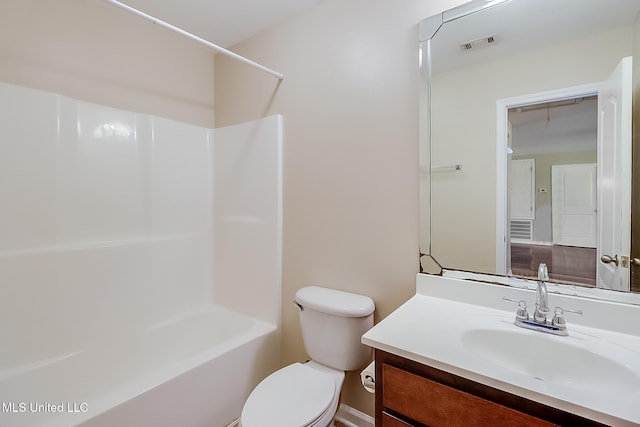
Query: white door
x=574 y=205
x=614 y=179
x=522 y=188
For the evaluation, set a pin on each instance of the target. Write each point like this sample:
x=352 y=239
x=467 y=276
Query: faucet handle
x=543 y=272
x=566 y=310
x=522 y=313
x=558 y=316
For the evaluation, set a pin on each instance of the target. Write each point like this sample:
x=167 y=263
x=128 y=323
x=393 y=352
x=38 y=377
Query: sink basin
x=584 y=363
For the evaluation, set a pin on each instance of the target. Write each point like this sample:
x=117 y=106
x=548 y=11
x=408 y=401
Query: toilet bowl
x=307 y=395
x=299 y=395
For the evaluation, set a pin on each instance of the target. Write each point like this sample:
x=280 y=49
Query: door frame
x=502 y=186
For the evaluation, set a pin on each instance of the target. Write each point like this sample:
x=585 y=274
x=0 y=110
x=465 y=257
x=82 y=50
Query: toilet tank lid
x=335 y=302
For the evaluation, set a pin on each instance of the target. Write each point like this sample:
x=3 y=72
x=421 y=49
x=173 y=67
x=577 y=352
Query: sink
x=582 y=362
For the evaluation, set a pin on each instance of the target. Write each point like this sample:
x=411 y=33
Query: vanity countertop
x=433 y=328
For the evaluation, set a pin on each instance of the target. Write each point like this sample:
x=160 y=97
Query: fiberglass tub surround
x=467 y=329
x=122 y=242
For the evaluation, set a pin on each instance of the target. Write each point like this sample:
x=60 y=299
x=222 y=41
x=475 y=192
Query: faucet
x=542 y=300
x=557 y=324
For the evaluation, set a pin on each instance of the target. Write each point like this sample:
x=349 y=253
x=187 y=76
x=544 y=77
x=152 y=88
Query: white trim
x=353 y=418
x=531 y=242
x=502 y=196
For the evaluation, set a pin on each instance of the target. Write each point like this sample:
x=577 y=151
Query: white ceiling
x=526 y=24
x=223 y=22
x=558 y=129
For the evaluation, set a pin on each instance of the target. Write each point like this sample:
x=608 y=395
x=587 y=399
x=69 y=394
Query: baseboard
x=353 y=418
x=532 y=242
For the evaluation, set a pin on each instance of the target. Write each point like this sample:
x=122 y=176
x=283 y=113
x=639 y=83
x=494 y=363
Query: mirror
x=515 y=141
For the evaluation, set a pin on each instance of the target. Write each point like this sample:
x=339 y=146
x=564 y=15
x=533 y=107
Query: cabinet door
x=435 y=404
x=389 y=420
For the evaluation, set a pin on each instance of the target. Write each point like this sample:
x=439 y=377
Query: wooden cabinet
x=391 y=421
x=411 y=394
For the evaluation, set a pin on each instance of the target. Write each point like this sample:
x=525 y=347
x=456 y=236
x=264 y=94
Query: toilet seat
x=296 y=395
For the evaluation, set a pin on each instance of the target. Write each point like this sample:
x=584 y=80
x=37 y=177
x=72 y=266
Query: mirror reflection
x=526 y=139
x=552 y=191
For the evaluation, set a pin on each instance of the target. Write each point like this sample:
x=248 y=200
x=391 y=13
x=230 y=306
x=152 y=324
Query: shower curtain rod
x=213 y=46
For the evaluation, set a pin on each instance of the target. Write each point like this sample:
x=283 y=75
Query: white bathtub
x=106 y=235
x=194 y=370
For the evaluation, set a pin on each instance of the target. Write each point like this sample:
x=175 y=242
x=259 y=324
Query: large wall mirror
x=526 y=141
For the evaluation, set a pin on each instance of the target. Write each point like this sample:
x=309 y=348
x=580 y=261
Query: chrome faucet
x=542 y=300
x=557 y=324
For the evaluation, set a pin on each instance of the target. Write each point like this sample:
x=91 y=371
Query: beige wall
x=350 y=107
x=464 y=131
x=90 y=50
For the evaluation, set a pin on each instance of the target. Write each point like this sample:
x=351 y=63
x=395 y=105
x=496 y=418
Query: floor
x=566 y=264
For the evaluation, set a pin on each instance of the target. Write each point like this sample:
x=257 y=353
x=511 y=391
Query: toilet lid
x=293 y=396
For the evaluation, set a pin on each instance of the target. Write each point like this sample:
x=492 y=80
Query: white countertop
x=427 y=329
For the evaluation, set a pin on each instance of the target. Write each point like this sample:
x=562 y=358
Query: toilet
x=307 y=394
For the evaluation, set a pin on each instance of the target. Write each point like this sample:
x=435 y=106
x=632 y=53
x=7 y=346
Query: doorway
x=558 y=139
x=550 y=131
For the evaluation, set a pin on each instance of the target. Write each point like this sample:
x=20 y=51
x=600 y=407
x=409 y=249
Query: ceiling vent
x=478 y=43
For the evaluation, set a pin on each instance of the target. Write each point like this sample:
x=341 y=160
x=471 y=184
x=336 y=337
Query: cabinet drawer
x=435 y=404
x=391 y=421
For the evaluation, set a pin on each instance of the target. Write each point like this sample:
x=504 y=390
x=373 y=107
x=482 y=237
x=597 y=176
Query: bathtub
x=192 y=370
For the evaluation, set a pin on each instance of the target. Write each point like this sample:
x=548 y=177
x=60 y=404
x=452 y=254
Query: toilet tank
x=333 y=323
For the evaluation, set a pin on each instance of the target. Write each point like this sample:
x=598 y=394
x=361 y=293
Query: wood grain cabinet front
x=434 y=404
x=389 y=420
x=411 y=394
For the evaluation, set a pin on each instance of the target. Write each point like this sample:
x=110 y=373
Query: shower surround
x=129 y=245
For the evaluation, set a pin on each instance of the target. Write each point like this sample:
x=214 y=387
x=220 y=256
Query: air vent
x=521 y=230
x=479 y=43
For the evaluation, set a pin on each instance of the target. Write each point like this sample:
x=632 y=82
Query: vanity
x=453 y=356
